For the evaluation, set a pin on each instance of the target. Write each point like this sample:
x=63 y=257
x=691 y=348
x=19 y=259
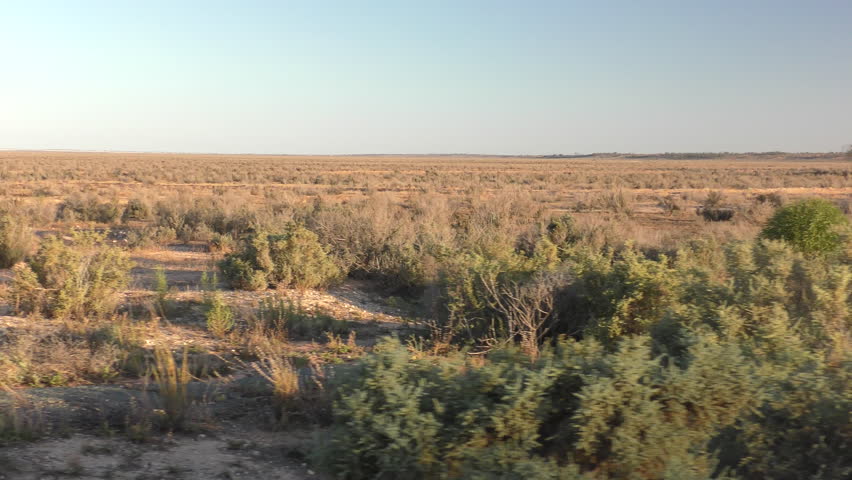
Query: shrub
x=25 y=291
x=136 y=209
x=220 y=317
x=16 y=240
x=292 y=259
x=222 y=242
x=20 y=420
x=617 y=201
x=714 y=199
x=69 y=355
x=716 y=214
x=561 y=231
x=776 y=199
x=300 y=261
x=161 y=287
x=618 y=294
x=577 y=410
x=172 y=380
x=282 y=315
x=669 y=204
x=810 y=226
x=469 y=281
x=150 y=236
x=75 y=280
x=241 y=274
x=88 y=209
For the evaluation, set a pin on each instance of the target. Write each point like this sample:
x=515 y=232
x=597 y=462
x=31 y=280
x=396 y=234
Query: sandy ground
x=202 y=456
x=232 y=438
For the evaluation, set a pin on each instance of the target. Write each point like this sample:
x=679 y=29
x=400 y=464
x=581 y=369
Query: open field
x=217 y=320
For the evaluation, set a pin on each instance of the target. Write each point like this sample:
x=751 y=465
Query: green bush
x=242 y=275
x=219 y=316
x=577 y=410
x=150 y=236
x=283 y=315
x=721 y=362
x=222 y=242
x=621 y=294
x=292 y=259
x=75 y=280
x=561 y=231
x=811 y=226
x=16 y=240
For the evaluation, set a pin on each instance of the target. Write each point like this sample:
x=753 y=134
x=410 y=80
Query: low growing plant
x=294 y=258
x=77 y=280
x=810 y=226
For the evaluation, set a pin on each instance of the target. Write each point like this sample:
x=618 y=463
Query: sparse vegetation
x=288 y=317
x=19 y=419
x=550 y=317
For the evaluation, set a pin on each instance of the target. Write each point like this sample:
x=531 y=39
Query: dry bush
x=172 y=380
x=670 y=204
x=20 y=420
x=714 y=199
x=294 y=395
x=88 y=208
x=616 y=201
x=69 y=355
x=527 y=309
x=16 y=240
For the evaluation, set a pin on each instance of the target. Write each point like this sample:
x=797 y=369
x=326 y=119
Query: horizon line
x=456 y=154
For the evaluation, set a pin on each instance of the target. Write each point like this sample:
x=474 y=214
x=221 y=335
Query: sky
x=459 y=76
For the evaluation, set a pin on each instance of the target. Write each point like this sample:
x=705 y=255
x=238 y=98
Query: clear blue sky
x=426 y=76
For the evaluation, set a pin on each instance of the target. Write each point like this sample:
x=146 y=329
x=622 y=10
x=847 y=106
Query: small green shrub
x=161 y=289
x=222 y=242
x=75 y=280
x=242 y=275
x=150 y=236
x=810 y=226
x=220 y=317
x=16 y=240
x=292 y=259
x=283 y=315
x=26 y=293
x=561 y=231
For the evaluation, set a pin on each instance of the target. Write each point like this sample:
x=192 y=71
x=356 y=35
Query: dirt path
x=227 y=455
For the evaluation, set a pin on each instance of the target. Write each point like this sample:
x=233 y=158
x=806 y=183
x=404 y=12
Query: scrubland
x=669 y=316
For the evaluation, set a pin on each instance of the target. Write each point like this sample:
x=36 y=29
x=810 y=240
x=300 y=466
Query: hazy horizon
x=476 y=78
x=425 y=154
